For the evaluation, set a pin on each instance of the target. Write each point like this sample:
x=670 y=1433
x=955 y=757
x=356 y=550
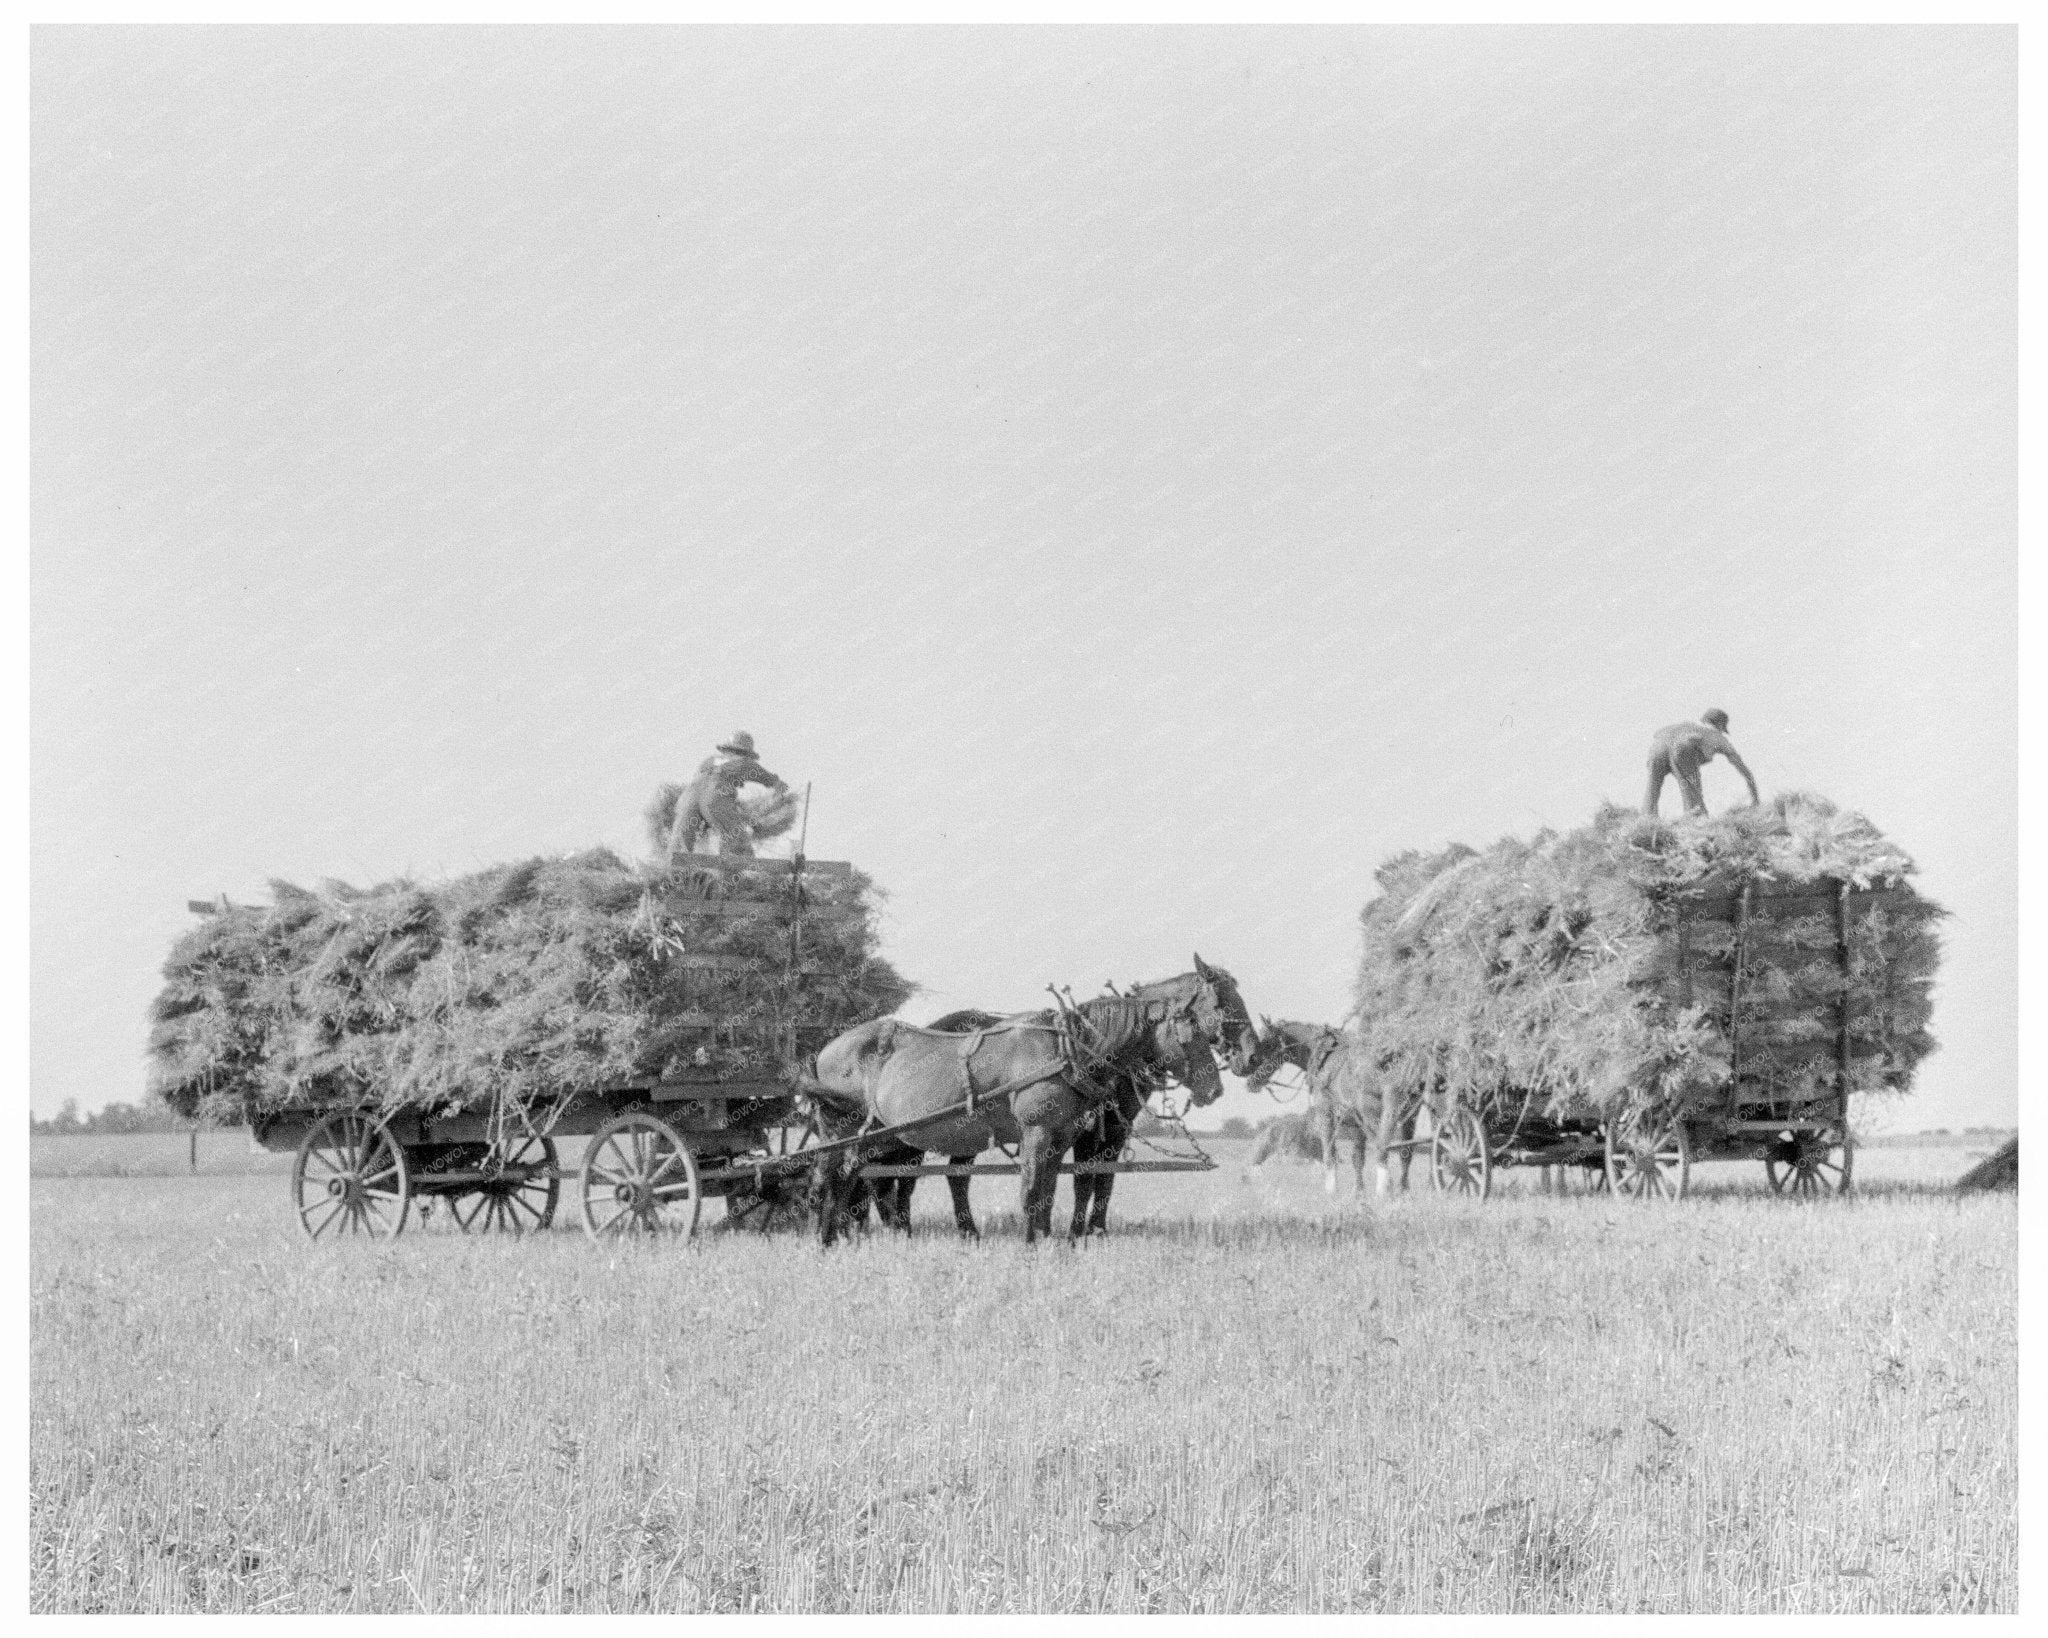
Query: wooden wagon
x=727 y=1127
x=1784 y=1101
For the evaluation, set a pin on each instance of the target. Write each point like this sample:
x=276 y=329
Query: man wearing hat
x=712 y=801
x=1682 y=750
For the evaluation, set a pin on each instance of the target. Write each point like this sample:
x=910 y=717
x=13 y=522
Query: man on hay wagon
x=711 y=805
x=1680 y=751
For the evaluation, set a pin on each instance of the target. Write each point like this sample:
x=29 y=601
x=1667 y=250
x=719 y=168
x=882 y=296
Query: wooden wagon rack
x=1784 y=1100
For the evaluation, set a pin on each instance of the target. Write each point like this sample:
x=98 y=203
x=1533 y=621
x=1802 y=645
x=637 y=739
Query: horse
x=892 y=1194
x=1344 y=1095
x=1103 y=1139
x=1036 y=1080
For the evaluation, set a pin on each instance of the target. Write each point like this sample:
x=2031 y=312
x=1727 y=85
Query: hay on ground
x=1293 y=1136
x=2000 y=1170
x=1552 y=966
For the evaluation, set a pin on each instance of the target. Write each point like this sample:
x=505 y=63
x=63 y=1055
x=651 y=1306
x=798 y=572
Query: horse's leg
x=1098 y=1208
x=1086 y=1143
x=892 y=1194
x=1326 y=1131
x=1116 y=1132
x=1038 y=1171
x=963 y=1213
x=828 y=1197
x=1384 y=1140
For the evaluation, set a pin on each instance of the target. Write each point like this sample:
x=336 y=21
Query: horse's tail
x=836 y=1111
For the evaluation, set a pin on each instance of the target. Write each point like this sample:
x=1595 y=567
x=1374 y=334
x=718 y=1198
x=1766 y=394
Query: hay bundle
x=527 y=980
x=769 y=814
x=1550 y=969
x=1292 y=1136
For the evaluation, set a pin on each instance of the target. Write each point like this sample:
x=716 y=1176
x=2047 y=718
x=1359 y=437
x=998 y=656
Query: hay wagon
x=729 y=1125
x=1784 y=1100
x=732 y=1125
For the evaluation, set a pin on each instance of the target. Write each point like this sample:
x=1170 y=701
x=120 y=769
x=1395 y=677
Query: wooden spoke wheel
x=1460 y=1161
x=351 y=1177
x=639 y=1178
x=1649 y=1157
x=523 y=1196
x=1810 y=1164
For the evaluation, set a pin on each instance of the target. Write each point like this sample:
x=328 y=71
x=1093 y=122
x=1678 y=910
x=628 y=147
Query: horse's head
x=1220 y=1013
x=1188 y=1059
x=1269 y=1051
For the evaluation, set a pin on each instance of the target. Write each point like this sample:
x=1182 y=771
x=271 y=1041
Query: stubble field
x=1248 y=1399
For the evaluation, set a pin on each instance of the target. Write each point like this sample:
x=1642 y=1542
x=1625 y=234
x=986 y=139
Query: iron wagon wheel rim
x=351 y=1176
x=1460 y=1161
x=1658 y=1167
x=1812 y=1172
x=522 y=1206
x=639 y=1177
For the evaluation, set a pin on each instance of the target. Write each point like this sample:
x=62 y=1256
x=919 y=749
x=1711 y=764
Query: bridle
x=1188 y=1021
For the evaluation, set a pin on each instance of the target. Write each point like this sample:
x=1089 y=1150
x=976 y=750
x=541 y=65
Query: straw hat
x=741 y=744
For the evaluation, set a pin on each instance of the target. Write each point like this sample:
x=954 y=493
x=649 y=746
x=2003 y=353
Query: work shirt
x=727 y=773
x=1695 y=741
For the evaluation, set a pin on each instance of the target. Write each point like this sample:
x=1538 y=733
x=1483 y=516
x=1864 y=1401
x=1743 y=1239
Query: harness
x=1089 y=1036
x=1325 y=1048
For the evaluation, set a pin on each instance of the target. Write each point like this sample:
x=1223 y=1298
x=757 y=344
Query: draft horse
x=1037 y=1080
x=1345 y=1094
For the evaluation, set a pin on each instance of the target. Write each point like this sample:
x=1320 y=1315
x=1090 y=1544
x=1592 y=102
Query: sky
x=1138 y=480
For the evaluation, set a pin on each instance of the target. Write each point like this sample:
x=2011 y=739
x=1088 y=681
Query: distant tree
x=1235 y=1127
x=147 y=1116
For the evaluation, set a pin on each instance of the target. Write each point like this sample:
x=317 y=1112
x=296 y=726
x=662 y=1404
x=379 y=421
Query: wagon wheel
x=639 y=1177
x=1810 y=1164
x=1649 y=1156
x=522 y=1200
x=350 y=1176
x=1459 y=1159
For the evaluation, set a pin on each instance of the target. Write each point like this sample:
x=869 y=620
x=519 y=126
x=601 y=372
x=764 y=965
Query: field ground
x=1917 y=1158
x=1250 y=1398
